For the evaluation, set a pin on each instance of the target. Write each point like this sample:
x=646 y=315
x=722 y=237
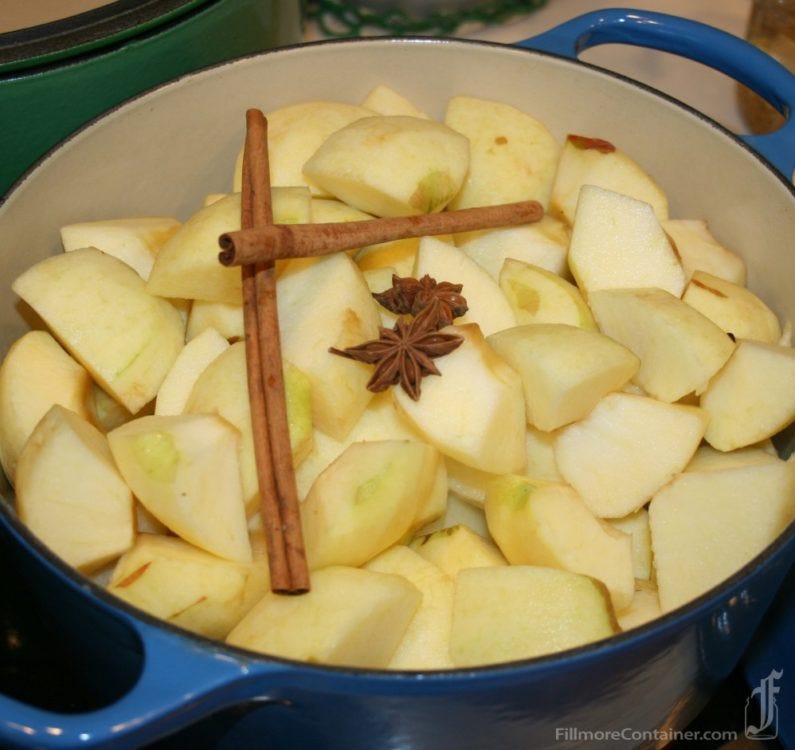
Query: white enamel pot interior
x=163 y=152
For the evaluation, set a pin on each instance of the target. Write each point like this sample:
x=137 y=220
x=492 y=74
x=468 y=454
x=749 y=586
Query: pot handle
x=182 y=680
x=697 y=41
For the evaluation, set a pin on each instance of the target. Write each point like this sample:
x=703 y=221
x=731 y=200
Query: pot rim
x=678 y=619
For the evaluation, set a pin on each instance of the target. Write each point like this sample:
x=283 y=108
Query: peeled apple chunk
x=679 y=348
x=185 y=471
x=545 y=523
x=475 y=411
x=565 y=370
x=592 y=161
x=391 y=165
x=70 y=493
x=617 y=242
x=706 y=525
x=699 y=250
x=366 y=500
x=35 y=374
x=626 y=449
x=514 y=612
x=457 y=547
x=513 y=155
x=181 y=584
x=99 y=309
x=732 y=307
x=752 y=397
x=351 y=617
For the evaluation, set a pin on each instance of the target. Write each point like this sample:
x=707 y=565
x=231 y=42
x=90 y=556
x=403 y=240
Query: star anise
x=410 y=296
x=403 y=354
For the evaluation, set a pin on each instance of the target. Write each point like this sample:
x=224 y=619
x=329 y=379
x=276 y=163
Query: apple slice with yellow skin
x=185 y=471
x=35 y=374
x=732 y=307
x=513 y=155
x=617 y=242
x=752 y=397
x=323 y=303
x=70 y=493
x=99 y=309
x=626 y=449
x=366 y=501
x=544 y=243
x=636 y=525
x=474 y=411
x=540 y=296
x=679 y=348
x=456 y=548
x=644 y=608
x=701 y=527
x=511 y=612
x=565 y=370
x=295 y=132
x=391 y=165
x=135 y=241
x=593 y=161
x=187 y=265
x=542 y=523
x=699 y=250
x=384 y=100
x=195 y=356
x=426 y=642
x=222 y=388
x=168 y=578
x=226 y=318
x=351 y=617
x=488 y=306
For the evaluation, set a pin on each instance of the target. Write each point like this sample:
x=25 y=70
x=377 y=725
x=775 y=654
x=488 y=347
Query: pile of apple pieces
x=585 y=462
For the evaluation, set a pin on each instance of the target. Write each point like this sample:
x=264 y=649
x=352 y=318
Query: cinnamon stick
x=277 y=241
x=273 y=453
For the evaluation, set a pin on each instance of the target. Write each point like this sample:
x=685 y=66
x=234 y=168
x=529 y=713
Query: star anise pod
x=410 y=296
x=403 y=354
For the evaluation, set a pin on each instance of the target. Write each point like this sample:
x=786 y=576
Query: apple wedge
x=679 y=348
x=351 y=617
x=391 y=165
x=226 y=318
x=323 y=303
x=617 y=242
x=456 y=548
x=488 y=306
x=700 y=529
x=513 y=155
x=699 y=250
x=474 y=412
x=295 y=132
x=185 y=471
x=366 y=501
x=426 y=642
x=707 y=458
x=645 y=607
x=626 y=449
x=752 y=397
x=636 y=525
x=548 y=524
x=99 y=309
x=511 y=612
x=593 y=161
x=35 y=374
x=732 y=307
x=537 y=295
x=194 y=358
x=181 y=584
x=384 y=100
x=544 y=243
x=565 y=370
x=70 y=494
x=135 y=241
x=222 y=388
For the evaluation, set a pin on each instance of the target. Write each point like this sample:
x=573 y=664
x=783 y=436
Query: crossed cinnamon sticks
x=255 y=248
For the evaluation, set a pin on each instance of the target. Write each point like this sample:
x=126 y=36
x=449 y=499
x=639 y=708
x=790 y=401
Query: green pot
x=57 y=76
